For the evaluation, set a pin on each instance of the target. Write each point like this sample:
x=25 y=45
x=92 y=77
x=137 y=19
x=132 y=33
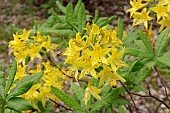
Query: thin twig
x=166 y=92
x=49 y=58
x=158 y=99
x=156 y=111
x=60 y=105
x=151 y=96
x=129 y=95
x=128 y=107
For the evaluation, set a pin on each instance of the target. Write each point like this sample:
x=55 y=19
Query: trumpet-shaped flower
x=34 y=51
x=20 y=72
x=136 y=5
x=160 y=11
x=142 y=17
x=91 y=90
x=164 y=23
x=85 y=55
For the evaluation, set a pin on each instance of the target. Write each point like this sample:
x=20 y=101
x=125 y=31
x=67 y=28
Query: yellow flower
x=110 y=75
x=20 y=72
x=98 y=54
x=32 y=93
x=37 y=70
x=91 y=90
x=136 y=5
x=87 y=27
x=39 y=39
x=164 y=23
x=25 y=35
x=114 y=59
x=160 y=10
x=49 y=46
x=95 y=29
x=87 y=53
x=141 y=18
x=148 y=1
x=88 y=67
x=34 y=51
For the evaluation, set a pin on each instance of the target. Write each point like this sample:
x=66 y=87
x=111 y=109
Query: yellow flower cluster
x=52 y=77
x=24 y=46
x=99 y=49
x=159 y=7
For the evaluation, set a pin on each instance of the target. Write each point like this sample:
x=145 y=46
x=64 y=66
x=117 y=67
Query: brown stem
x=156 y=111
x=60 y=105
x=130 y=96
x=49 y=58
x=150 y=95
x=158 y=99
x=166 y=92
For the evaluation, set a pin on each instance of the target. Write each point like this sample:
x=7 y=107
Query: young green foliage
x=2 y=84
x=66 y=98
x=164 y=59
x=19 y=104
x=25 y=84
x=120 y=28
x=162 y=42
x=12 y=73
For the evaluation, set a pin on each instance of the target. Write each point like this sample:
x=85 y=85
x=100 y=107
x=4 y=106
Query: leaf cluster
x=9 y=95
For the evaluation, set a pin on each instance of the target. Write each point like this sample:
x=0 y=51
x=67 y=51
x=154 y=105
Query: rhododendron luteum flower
x=161 y=8
x=51 y=77
x=25 y=45
x=85 y=54
x=91 y=90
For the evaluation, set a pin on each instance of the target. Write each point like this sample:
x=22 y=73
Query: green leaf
x=143 y=48
x=128 y=40
x=103 y=21
x=138 y=88
x=10 y=110
x=77 y=8
x=69 y=13
x=60 y=18
x=51 y=20
x=106 y=90
x=135 y=66
x=165 y=59
x=142 y=74
x=79 y=92
x=2 y=83
x=121 y=110
x=12 y=73
x=122 y=102
x=15 y=29
x=66 y=98
x=106 y=99
x=61 y=7
x=64 y=32
x=61 y=26
x=19 y=103
x=81 y=18
x=96 y=16
x=108 y=110
x=162 y=42
x=111 y=18
x=135 y=52
x=147 y=43
x=25 y=84
x=120 y=28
